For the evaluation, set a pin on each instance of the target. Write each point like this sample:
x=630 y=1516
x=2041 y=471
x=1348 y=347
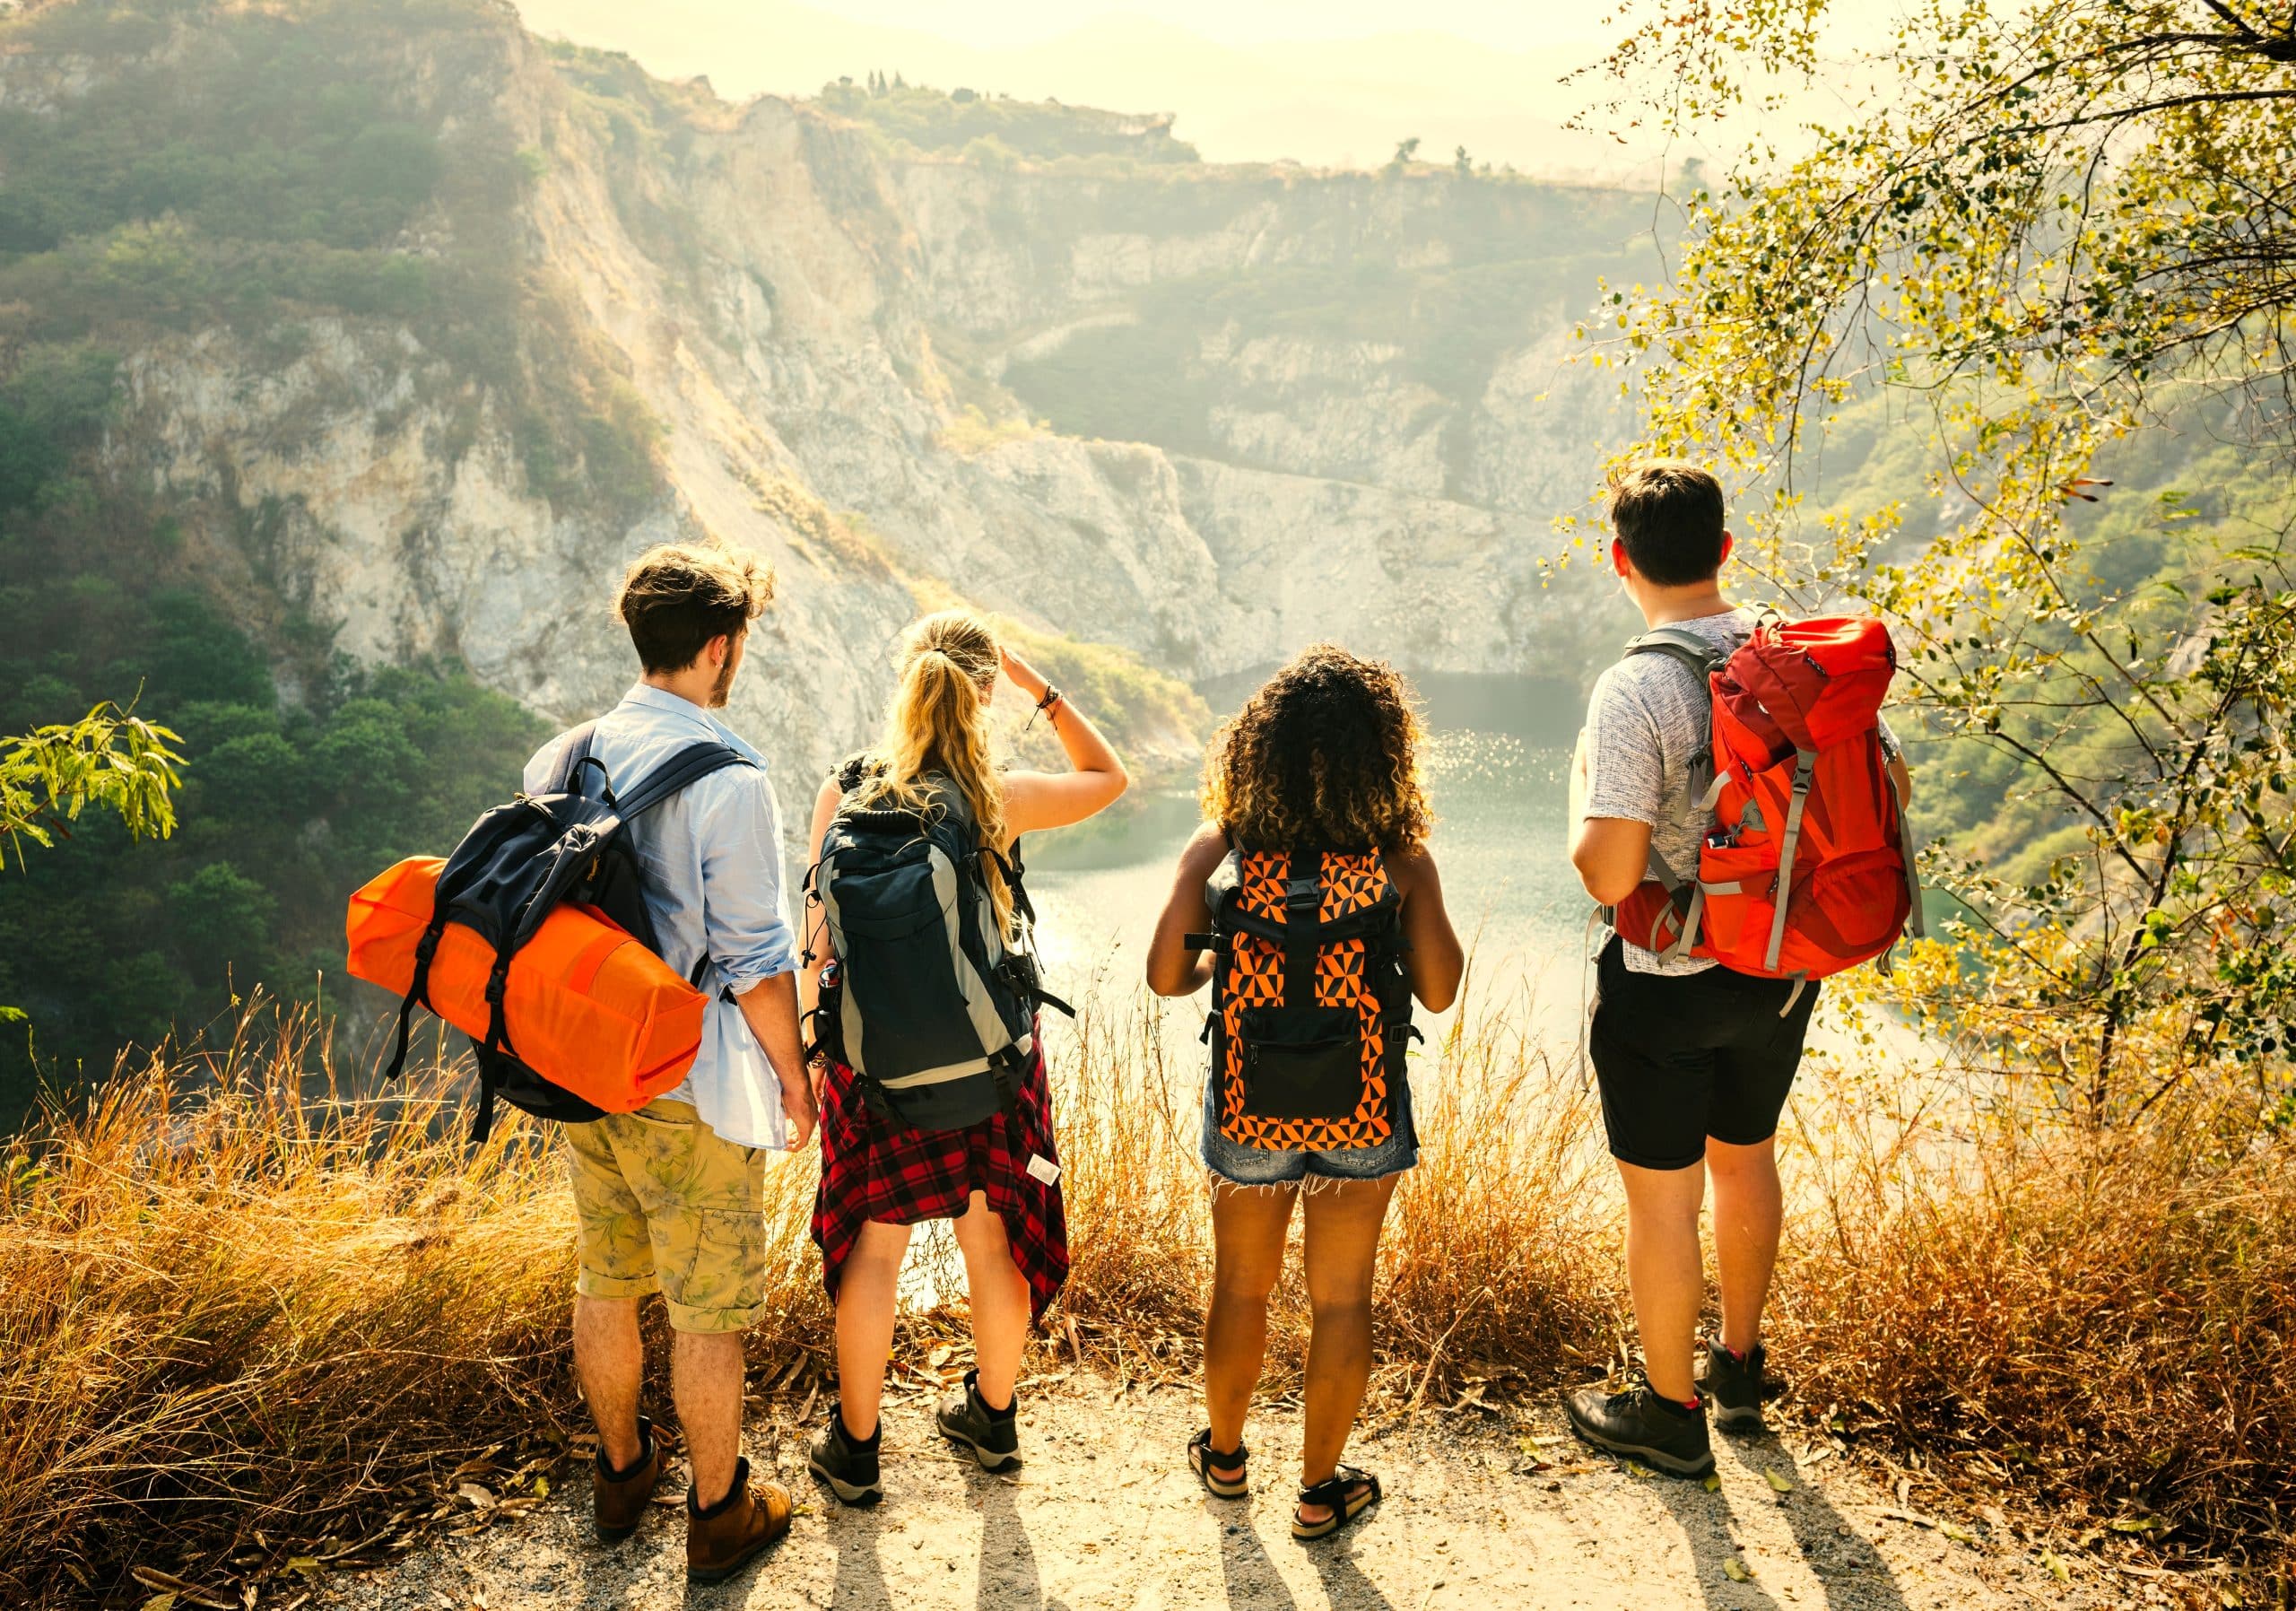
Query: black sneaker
x=994 y=1435
x=1636 y=1421
x=1734 y=1385
x=848 y=1465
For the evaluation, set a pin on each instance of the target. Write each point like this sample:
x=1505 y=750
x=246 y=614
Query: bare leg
x=1749 y=1207
x=610 y=1363
x=1664 y=1272
x=1344 y=1218
x=706 y=1370
x=1248 y=1228
x=865 y=1291
x=1000 y=1301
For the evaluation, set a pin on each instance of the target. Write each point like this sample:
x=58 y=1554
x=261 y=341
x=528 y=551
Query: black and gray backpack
x=522 y=861
x=925 y=1000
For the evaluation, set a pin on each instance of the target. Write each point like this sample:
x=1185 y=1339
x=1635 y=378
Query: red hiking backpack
x=1806 y=866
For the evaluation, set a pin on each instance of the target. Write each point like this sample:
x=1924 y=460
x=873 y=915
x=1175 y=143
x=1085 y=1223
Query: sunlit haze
x=1322 y=83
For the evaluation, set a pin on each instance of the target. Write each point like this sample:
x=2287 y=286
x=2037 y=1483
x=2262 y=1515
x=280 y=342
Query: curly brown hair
x=1326 y=753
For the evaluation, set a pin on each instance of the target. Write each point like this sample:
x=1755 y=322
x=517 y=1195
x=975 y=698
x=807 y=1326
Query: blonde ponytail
x=938 y=724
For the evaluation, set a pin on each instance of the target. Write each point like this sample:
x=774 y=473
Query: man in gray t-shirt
x=1648 y=717
x=1694 y=1061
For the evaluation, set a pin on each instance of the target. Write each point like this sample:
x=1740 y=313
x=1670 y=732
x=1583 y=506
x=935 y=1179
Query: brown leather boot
x=726 y=1536
x=618 y=1500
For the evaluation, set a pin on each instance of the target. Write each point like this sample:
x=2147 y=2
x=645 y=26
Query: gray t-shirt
x=1648 y=717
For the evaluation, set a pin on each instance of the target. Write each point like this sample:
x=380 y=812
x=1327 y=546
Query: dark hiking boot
x=618 y=1499
x=994 y=1435
x=1638 y=1422
x=1734 y=1386
x=732 y=1533
x=847 y=1464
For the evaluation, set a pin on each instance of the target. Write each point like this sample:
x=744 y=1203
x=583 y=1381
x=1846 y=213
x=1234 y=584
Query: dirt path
x=1104 y=1514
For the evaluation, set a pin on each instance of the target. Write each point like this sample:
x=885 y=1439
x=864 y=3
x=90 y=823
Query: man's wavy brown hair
x=1326 y=753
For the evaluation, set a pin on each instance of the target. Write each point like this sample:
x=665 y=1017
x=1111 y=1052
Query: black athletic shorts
x=1681 y=1058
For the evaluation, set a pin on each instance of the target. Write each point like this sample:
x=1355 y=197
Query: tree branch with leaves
x=110 y=760
x=2046 y=240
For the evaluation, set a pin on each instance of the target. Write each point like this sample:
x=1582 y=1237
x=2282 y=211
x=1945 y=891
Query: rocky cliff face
x=832 y=340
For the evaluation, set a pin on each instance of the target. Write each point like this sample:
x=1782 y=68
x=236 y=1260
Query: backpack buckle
x=1303 y=892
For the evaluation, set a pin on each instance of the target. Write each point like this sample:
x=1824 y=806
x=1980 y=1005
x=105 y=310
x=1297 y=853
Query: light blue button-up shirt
x=711 y=857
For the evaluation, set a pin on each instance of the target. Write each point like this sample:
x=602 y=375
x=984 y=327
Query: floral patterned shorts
x=664 y=1203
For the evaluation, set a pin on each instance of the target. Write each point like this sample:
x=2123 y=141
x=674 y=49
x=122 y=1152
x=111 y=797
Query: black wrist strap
x=1051 y=698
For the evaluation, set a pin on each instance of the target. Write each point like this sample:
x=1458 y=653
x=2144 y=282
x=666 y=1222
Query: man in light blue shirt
x=712 y=860
x=672 y=1197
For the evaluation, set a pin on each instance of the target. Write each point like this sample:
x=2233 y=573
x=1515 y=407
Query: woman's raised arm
x=1037 y=800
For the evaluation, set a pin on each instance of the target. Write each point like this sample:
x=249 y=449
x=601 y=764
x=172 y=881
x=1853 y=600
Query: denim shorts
x=1267 y=1166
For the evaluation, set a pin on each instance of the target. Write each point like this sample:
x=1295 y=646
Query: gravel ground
x=1484 y=1510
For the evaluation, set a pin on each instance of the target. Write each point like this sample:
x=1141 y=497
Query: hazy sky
x=1330 y=83
x=1506 y=24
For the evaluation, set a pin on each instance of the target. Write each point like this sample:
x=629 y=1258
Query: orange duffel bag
x=594 y=1013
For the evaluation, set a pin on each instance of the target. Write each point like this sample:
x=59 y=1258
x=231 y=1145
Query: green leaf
x=1736 y=1570
x=1779 y=1483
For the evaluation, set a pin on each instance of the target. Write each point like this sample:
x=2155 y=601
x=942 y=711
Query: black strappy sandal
x=1336 y=1495
x=1204 y=1459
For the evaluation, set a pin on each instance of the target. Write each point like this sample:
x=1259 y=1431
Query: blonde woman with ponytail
x=999 y=1180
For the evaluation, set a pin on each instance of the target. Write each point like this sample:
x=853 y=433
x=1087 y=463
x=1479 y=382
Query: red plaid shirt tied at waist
x=875 y=1168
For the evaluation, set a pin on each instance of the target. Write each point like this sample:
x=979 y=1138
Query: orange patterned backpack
x=1311 y=1006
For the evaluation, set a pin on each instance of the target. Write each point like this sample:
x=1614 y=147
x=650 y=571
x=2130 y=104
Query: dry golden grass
x=241 y=1311
x=2106 y=1324
x=240 y=1315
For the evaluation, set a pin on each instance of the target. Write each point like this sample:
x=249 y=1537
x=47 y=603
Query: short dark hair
x=1670 y=517
x=677 y=597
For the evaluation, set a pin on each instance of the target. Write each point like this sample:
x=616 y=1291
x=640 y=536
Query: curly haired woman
x=1314 y=813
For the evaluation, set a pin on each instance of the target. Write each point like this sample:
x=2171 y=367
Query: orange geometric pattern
x=1256 y=979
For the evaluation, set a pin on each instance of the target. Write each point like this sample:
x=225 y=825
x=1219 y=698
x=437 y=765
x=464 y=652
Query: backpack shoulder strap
x=579 y=745
x=681 y=771
x=951 y=799
x=1701 y=659
x=1682 y=645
